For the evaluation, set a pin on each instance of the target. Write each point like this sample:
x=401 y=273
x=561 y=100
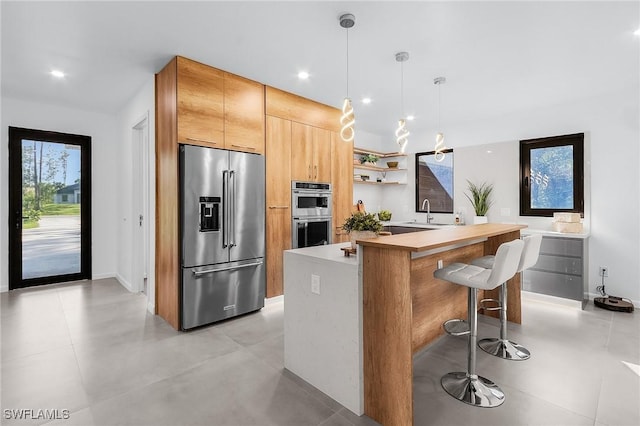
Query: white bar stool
x=467 y=386
x=502 y=347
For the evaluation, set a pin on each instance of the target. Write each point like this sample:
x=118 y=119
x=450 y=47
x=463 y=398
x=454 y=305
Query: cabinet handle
x=202 y=140
x=315 y=172
x=278 y=207
x=309 y=174
x=244 y=147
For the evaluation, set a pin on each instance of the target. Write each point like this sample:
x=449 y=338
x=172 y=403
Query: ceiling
x=498 y=57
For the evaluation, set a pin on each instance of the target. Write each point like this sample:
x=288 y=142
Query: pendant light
x=402 y=134
x=439 y=147
x=347 y=120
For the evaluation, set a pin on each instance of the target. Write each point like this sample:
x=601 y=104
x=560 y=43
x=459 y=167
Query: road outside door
x=50 y=207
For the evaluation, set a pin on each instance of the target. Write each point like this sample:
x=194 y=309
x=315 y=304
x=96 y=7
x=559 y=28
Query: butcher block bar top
x=404 y=306
x=437 y=238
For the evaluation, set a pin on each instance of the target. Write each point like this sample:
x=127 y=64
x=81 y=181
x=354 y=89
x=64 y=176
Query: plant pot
x=360 y=235
x=477 y=220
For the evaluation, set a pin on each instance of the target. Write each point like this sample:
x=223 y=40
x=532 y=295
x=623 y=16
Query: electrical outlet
x=315 y=284
x=440 y=265
x=604 y=271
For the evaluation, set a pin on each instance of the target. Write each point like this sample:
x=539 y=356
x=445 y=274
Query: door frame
x=16 y=135
x=140 y=205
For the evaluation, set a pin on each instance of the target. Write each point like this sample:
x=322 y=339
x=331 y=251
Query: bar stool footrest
x=472 y=389
x=484 y=302
x=456 y=327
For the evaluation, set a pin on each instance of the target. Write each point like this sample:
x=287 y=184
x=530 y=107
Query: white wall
x=105 y=168
x=141 y=105
x=612 y=133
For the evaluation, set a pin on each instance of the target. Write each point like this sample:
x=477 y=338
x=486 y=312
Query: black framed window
x=434 y=182
x=552 y=175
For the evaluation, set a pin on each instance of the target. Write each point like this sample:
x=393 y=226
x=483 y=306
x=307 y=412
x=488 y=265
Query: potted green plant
x=361 y=225
x=480 y=199
x=370 y=159
x=384 y=215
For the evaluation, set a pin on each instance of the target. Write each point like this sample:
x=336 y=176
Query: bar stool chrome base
x=472 y=389
x=505 y=349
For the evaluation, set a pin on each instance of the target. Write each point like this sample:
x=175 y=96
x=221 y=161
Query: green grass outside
x=60 y=209
x=30 y=224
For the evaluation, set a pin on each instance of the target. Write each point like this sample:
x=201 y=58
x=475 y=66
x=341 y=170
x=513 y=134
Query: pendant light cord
x=402 y=88
x=347 y=62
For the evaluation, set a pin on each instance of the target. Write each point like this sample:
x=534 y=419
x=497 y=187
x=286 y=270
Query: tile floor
x=91 y=348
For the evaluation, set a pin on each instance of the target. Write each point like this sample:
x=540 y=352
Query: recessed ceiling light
x=410 y=117
x=489 y=151
x=366 y=101
x=637 y=32
x=57 y=73
x=303 y=75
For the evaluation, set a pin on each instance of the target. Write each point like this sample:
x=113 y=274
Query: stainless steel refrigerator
x=223 y=234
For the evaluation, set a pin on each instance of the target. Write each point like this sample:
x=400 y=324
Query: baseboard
x=539 y=297
x=102 y=276
x=151 y=307
x=126 y=284
x=275 y=299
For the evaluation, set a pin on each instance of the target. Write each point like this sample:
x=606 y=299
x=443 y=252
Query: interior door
x=49 y=207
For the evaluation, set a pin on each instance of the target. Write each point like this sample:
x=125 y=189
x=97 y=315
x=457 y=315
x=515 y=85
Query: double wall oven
x=310 y=214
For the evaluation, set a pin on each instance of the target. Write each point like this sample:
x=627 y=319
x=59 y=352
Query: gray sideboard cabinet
x=561 y=270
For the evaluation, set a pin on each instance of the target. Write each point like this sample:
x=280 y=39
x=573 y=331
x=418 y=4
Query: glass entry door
x=49 y=207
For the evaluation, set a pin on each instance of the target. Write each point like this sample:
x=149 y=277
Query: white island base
x=323 y=322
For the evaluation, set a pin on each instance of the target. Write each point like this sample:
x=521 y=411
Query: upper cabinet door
x=200 y=104
x=244 y=127
x=301 y=152
x=321 y=155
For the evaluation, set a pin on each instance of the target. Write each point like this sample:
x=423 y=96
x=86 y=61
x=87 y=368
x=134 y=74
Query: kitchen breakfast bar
x=394 y=308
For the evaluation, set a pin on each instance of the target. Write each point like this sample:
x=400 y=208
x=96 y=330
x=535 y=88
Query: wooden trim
x=296 y=108
x=167 y=268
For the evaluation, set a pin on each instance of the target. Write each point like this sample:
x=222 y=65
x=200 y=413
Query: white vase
x=477 y=220
x=360 y=235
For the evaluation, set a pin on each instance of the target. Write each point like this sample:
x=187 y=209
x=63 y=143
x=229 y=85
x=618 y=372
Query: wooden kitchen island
x=404 y=306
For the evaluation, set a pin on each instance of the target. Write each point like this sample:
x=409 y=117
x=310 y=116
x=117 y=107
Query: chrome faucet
x=429 y=217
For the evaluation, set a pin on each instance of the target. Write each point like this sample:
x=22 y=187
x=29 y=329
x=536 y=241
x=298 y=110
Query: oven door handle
x=315 y=219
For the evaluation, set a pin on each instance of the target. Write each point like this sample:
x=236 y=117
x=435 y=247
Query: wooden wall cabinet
x=244 y=120
x=278 y=165
x=200 y=109
x=310 y=153
x=219 y=109
x=342 y=182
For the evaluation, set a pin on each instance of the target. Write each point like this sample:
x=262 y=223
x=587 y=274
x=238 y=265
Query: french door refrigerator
x=223 y=234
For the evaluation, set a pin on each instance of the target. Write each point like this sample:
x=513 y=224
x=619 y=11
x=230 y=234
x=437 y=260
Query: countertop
x=437 y=238
x=330 y=252
x=549 y=233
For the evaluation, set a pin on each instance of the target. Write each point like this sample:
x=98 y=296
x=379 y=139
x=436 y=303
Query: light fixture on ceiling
x=402 y=134
x=347 y=119
x=411 y=117
x=366 y=101
x=303 y=75
x=57 y=73
x=637 y=32
x=439 y=148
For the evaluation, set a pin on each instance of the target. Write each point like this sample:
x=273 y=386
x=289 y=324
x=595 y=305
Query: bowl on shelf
x=392 y=164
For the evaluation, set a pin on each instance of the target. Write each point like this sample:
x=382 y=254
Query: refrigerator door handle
x=225 y=208
x=232 y=207
x=225 y=268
